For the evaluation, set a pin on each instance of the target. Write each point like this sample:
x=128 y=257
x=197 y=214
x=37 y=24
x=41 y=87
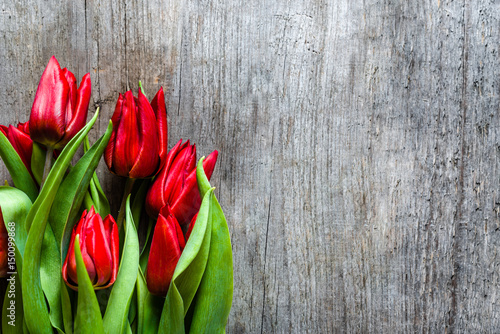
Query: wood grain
x=359 y=143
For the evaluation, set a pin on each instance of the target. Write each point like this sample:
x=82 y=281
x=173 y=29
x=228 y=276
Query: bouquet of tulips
x=163 y=264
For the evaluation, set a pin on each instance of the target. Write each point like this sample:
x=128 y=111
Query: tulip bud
x=139 y=139
x=60 y=108
x=4 y=244
x=20 y=140
x=176 y=183
x=166 y=249
x=99 y=246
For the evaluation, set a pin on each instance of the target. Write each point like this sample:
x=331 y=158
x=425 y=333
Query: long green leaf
x=69 y=197
x=149 y=307
x=20 y=175
x=15 y=205
x=35 y=309
x=215 y=294
x=188 y=272
x=12 y=315
x=88 y=316
x=95 y=192
x=66 y=310
x=116 y=316
x=51 y=278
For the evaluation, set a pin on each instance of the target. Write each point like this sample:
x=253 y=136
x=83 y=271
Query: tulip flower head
x=176 y=185
x=60 y=108
x=138 y=143
x=99 y=246
x=19 y=138
x=166 y=249
x=3 y=247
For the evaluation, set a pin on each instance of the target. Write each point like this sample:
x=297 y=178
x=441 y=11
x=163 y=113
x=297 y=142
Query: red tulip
x=20 y=139
x=166 y=249
x=99 y=246
x=4 y=244
x=138 y=142
x=60 y=108
x=176 y=184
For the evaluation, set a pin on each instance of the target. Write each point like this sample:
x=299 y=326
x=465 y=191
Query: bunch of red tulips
x=162 y=264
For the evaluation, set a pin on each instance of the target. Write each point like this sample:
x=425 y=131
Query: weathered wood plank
x=359 y=141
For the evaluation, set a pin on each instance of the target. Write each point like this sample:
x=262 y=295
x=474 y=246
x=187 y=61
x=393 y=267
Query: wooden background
x=359 y=143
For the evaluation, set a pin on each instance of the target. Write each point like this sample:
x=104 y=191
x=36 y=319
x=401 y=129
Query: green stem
x=48 y=164
x=121 y=214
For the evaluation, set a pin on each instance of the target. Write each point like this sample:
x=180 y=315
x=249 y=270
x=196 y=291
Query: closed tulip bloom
x=19 y=138
x=176 y=185
x=99 y=246
x=138 y=142
x=4 y=244
x=166 y=249
x=60 y=107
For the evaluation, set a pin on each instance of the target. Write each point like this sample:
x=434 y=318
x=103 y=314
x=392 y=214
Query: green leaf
x=116 y=316
x=51 y=278
x=69 y=197
x=149 y=307
x=66 y=310
x=215 y=294
x=35 y=309
x=99 y=198
x=20 y=175
x=188 y=272
x=88 y=316
x=12 y=315
x=95 y=192
x=15 y=205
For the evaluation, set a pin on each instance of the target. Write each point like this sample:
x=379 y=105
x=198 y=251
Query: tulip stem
x=48 y=164
x=121 y=214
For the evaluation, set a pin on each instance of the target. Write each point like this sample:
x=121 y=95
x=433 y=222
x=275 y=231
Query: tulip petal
x=23 y=145
x=127 y=137
x=163 y=256
x=70 y=105
x=110 y=149
x=98 y=248
x=147 y=160
x=111 y=230
x=48 y=113
x=158 y=105
x=177 y=172
x=157 y=195
x=188 y=202
x=78 y=116
x=69 y=265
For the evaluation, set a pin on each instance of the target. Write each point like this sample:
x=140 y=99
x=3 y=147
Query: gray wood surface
x=359 y=143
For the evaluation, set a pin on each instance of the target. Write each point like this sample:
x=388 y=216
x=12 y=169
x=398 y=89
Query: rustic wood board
x=359 y=143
